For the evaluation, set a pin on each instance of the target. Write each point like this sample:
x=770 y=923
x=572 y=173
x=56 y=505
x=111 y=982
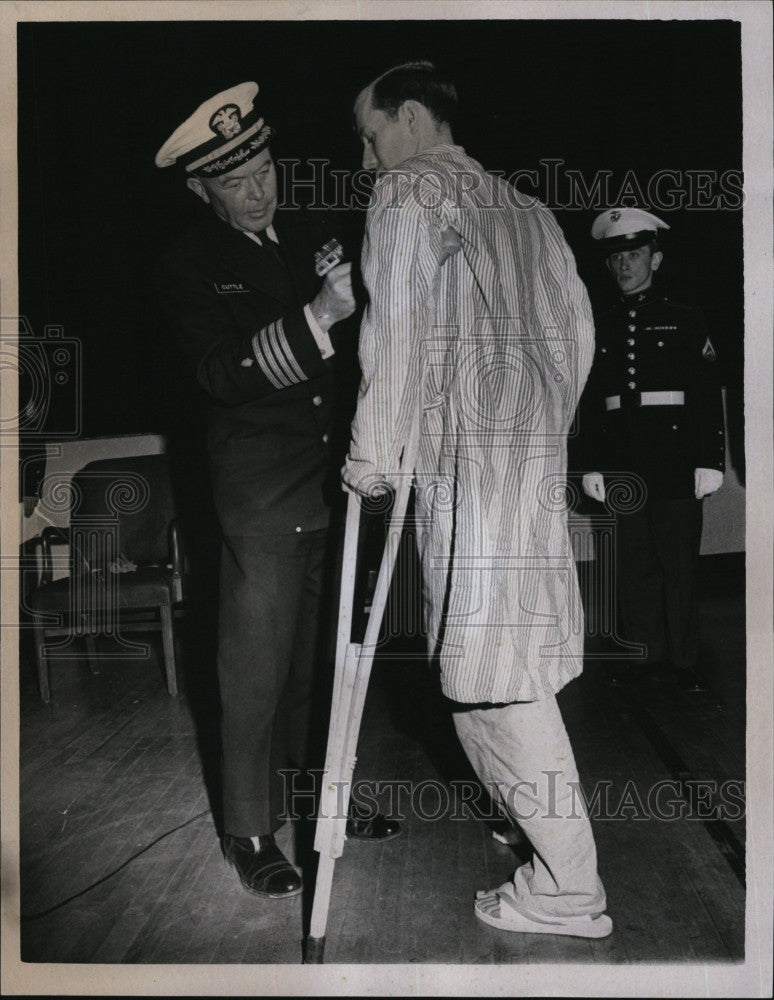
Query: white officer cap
x=625 y=228
x=220 y=135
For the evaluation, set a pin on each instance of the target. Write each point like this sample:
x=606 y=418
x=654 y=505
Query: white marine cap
x=625 y=228
x=220 y=135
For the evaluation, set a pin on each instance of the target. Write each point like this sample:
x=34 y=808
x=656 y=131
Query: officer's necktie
x=279 y=265
x=272 y=248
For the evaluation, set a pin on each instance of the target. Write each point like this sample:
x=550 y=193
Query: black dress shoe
x=266 y=872
x=362 y=825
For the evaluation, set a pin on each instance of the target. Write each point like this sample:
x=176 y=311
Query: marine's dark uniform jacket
x=238 y=316
x=653 y=403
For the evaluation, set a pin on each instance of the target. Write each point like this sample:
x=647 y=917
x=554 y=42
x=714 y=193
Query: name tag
x=227 y=287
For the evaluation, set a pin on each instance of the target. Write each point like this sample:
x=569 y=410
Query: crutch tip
x=314 y=950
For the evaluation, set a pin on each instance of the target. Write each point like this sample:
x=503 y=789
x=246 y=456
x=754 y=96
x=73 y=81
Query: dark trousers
x=268 y=635
x=657 y=559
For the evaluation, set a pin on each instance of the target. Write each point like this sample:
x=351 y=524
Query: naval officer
x=652 y=421
x=247 y=308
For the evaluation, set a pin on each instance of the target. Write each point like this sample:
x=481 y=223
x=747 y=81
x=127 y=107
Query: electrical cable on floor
x=58 y=906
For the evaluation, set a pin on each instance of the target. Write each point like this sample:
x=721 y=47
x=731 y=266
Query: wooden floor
x=120 y=858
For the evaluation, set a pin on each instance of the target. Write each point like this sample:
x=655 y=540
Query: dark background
x=96 y=101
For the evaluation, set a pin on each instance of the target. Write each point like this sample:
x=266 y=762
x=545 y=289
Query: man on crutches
x=479 y=327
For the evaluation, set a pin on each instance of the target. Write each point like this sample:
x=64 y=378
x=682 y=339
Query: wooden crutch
x=350 y=685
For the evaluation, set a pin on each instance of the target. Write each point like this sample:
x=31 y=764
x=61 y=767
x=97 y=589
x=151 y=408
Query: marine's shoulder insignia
x=708 y=351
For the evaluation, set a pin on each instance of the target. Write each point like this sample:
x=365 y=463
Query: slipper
x=499 y=908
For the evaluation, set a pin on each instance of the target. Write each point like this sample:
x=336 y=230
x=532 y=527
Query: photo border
x=749 y=978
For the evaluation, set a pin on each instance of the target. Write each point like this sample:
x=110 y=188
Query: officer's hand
x=335 y=300
x=594 y=486
x=706 y=481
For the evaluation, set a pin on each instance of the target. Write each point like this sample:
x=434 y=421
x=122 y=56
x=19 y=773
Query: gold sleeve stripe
x=285 y=355
x=266 y=361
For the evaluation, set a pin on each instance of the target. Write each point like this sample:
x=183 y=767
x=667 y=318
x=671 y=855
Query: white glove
x=706 y=481
x=594 y=486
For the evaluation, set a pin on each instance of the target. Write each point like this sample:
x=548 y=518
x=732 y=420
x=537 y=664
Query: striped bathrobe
x=489 y=347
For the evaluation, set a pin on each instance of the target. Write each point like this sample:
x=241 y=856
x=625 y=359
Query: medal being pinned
x=331 y=254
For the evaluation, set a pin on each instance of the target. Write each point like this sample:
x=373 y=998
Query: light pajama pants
x=522 y=755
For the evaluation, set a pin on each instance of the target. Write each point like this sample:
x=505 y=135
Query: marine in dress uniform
x=652 y=431
x=252 y=316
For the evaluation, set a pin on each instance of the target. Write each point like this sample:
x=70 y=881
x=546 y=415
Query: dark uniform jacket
x=653 y=405
x=237 y=315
